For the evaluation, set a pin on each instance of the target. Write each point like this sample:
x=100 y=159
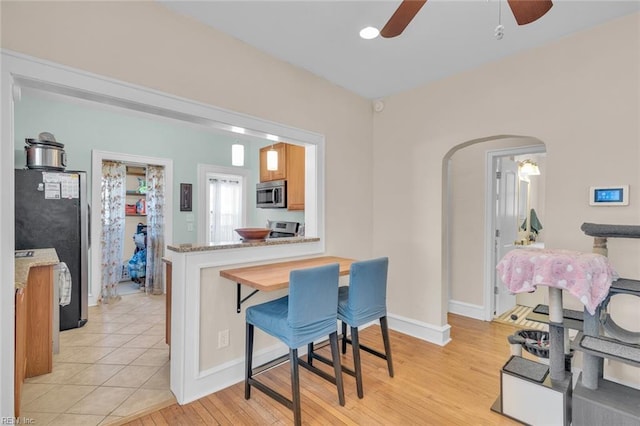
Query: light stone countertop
x=188 y=248
x=41 y=257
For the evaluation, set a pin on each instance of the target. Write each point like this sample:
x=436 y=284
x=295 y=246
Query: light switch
x=191 y=218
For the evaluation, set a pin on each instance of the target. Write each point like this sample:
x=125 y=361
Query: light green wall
x=83 y=127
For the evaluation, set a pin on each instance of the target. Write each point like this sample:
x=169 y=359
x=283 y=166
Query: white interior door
x=506 y=226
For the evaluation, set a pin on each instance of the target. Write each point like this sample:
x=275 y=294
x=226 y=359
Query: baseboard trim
x=466 y=309
x=229 y=373
x=439 y=335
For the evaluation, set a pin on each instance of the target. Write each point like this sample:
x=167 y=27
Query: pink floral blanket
x=587 y=276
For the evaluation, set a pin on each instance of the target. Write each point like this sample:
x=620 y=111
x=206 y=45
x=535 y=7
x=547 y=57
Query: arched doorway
x=469 y=220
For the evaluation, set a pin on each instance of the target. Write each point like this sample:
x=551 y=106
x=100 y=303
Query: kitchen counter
x=200 y=307
x=41 y=257
x=188 y=248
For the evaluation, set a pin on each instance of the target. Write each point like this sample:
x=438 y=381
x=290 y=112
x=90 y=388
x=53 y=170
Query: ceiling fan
x=525 y=12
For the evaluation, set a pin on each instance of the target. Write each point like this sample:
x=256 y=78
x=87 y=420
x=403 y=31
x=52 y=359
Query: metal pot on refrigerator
x=45 y=153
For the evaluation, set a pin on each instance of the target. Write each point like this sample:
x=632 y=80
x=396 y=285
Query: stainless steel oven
x=271 y=195
x=281 y=229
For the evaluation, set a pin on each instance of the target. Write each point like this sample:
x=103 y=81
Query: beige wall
x=578 y=95
x=145 y=44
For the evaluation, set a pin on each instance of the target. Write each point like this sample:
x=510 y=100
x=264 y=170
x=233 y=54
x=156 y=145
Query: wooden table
x=275 y=276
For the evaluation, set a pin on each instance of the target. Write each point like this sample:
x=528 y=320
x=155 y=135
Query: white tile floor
x=128 y=287
x=114 y=367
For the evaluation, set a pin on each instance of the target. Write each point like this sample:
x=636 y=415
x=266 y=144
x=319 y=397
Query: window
x=223 y=191
x=224 y=204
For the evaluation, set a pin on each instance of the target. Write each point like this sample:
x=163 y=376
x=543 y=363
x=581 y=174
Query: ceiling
x=446 y=37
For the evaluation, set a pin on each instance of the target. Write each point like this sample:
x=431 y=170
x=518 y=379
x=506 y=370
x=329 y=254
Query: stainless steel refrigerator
x=52 y=212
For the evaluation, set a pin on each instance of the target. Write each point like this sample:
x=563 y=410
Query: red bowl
x=253 y=234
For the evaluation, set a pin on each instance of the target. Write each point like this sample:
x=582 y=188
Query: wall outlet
x=223 y=339
x=190 y=227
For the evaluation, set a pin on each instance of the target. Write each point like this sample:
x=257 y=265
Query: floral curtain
x=155 y=228
x=113 y=200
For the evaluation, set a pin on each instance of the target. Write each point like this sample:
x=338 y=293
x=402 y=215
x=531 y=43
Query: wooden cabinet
x=39 y=317
x=21 y=347
x=295 y=177
x=33 y=329
x=290 y=168
x=281 y=172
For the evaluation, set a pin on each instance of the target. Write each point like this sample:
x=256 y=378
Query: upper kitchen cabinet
x=290 y=168
x=295 y=177
x=281 y=172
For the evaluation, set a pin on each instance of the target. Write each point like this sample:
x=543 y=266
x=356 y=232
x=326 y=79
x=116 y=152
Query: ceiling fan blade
x=401 y=18
x=528 y=11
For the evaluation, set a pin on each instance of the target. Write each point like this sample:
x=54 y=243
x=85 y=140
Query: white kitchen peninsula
x=203 y=305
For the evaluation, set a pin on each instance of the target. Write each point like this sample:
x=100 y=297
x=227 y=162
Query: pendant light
x=272 y=159
x=237 y=155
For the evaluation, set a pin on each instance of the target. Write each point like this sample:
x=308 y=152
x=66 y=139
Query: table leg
x=240 y=300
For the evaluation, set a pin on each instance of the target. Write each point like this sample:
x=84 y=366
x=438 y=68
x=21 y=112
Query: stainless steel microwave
x=271 y=195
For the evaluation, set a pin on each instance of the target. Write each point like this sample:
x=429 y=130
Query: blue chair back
x=313 y=298
x=367 y=290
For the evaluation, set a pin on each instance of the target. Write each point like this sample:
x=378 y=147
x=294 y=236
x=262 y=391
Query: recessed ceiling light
x=369 y=33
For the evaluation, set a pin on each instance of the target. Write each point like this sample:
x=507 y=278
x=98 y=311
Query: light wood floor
x=433 y=385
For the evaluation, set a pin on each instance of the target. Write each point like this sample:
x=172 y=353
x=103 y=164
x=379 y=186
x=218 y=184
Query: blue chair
x=363 y=301
x=308 y=313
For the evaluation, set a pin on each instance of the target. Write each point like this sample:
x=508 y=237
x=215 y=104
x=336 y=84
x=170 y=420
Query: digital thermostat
x=614 y=195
